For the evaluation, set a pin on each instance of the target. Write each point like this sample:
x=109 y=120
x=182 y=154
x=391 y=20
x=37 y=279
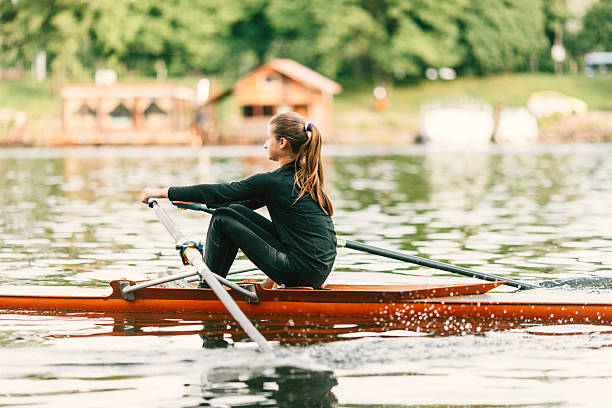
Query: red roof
x=303 y=74
x=293 y=70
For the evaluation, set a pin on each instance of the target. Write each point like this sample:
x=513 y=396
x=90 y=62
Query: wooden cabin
x=127 y=114
x=279 y=86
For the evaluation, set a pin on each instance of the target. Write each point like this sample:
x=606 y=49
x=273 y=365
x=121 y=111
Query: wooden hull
x=335 y=300
x=392 y=303
x=540 y=305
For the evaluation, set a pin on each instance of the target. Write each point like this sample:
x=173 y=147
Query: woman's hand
x=153 y=193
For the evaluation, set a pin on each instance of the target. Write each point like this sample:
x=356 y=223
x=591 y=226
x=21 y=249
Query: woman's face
x=272 y=145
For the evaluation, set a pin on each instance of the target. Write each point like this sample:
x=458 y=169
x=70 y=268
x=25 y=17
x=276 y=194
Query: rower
x=297 y=247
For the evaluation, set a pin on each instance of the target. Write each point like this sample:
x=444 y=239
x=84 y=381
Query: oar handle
x=432 y=264
x=192 y=206
x=165 y=219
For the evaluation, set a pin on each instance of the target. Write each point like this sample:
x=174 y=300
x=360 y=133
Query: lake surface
x=71 y=217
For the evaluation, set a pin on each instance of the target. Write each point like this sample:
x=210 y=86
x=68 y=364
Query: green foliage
x=428 y=34
x=597 y=32
x=359 y=38
x=108 y=42
x=556 y=13
x=36 y=99
x=501 y=38
x=349 y=36
x=295 y=24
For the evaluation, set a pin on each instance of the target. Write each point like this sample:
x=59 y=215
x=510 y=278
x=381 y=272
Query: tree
x=111 y=28
x=174 y=32
x=65 y=29
x=556 y=14
x=501 y=35
x=53 y=26
x=350 y=38
x=362 y=38
x=427 y=35
x=596 y=34
x=296 y=26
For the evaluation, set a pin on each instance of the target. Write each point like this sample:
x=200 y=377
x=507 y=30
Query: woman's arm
x=153 y=193
x=217 y=195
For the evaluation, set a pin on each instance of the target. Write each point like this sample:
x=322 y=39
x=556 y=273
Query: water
x=71 y=218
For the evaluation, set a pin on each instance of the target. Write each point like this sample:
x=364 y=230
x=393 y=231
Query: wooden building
x=279 y=86
x=127 y=114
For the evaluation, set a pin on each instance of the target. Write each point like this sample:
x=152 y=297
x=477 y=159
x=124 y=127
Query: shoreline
x=357 y=128
x=592 y=127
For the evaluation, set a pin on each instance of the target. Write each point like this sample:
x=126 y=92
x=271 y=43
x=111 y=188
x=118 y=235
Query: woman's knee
x=236 y=215
x=233 y=211
x=220 y=220
x=238 y=207
x=241 y=210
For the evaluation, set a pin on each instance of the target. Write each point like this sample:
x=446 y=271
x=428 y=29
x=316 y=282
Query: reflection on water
x=221 y=331
x=281 y=386
x=71 y=217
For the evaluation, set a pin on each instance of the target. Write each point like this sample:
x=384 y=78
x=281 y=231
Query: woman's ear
x=283 y=143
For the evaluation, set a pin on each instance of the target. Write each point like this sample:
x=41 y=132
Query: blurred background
x=198 y=72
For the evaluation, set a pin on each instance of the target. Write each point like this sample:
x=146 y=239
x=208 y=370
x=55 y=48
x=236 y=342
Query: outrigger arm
x=252 y=296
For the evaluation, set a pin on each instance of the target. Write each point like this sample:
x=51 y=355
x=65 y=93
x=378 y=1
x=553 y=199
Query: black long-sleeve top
x=303 y=227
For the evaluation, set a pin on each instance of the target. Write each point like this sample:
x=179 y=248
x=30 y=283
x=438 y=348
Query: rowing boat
x=389 y=302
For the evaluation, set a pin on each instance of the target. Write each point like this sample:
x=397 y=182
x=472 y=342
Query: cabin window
x=122 y=116
x=154 y=109
x=85 y=110
x=247 y=111
x=268 y=110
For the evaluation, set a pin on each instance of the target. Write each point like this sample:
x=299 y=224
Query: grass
x=38 y=100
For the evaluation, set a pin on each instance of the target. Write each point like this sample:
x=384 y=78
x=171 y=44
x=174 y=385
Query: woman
x=296 y=248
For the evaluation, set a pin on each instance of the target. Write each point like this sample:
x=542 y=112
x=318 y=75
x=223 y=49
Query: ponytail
x=305 y=140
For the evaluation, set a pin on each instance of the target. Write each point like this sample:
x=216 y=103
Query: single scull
x=391 y=302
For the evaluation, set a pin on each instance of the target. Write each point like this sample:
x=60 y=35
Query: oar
x=347 y=243
x=195 y=258
x=582 y=282
x=397 y=255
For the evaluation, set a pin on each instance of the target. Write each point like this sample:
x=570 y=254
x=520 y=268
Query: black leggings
x=238 y=227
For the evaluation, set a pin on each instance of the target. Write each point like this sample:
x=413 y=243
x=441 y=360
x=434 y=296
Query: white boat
x=460 y=121
x=516 y=125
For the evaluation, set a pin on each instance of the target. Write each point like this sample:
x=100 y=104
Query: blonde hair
x=306 y=145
